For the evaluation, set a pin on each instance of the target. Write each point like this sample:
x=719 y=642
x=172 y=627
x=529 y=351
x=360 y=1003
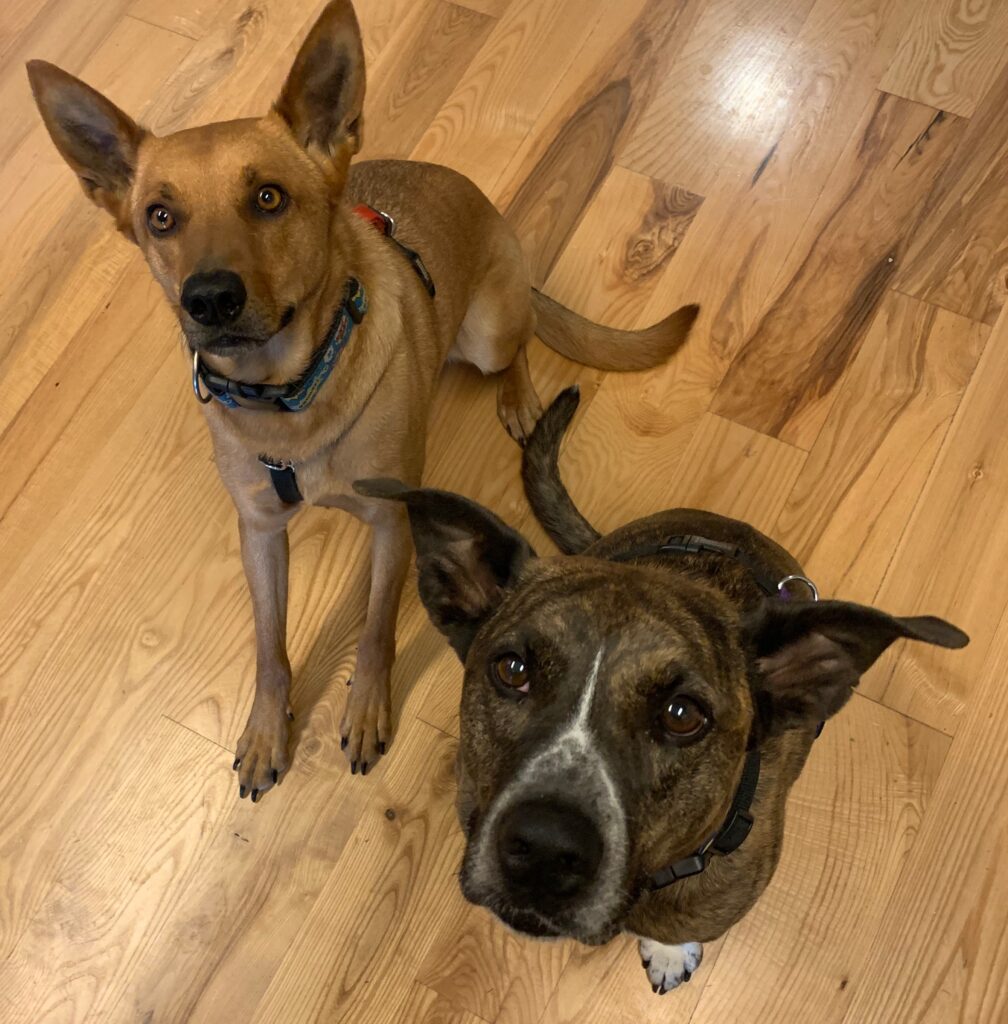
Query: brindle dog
x=249 y=227
x=616 y=700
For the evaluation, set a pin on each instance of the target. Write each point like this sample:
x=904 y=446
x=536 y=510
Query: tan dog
x=634 y=712
x=249 y=228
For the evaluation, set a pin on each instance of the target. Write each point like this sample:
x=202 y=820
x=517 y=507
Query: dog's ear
x=466 y=557
x=323 y=97
x=809 y=655
x=93 y=135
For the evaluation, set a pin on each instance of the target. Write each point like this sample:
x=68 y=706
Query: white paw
x=669 y=966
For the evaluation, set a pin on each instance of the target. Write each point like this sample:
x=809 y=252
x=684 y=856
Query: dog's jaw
x=569 y=760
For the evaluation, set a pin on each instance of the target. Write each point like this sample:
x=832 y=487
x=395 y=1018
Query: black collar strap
x=300 y=393
x=728 y=838
x=690 y=544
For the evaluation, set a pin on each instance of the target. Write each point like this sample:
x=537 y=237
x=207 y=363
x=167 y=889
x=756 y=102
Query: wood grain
x=949 y=560
x=945 y=921
x=423 y=62
x=958 y=258
x=134 y=887
x=950 y=54
x=864 y=475
x=834 y=281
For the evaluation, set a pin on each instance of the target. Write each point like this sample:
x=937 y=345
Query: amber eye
x=682 y=718
x=270 y=199
x=511 y=671
x=160 y=219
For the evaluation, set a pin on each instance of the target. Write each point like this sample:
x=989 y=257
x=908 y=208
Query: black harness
x=738 y=822
x=299 y=394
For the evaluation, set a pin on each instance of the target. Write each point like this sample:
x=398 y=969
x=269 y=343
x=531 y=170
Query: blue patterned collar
x=298 y=394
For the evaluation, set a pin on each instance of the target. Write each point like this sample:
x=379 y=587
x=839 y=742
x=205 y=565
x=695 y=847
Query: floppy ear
x=93 y=135
x=323 y=96
x=466 y=557
x=809 y=655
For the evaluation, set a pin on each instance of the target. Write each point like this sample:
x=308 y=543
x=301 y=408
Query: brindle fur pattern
x=605 y=642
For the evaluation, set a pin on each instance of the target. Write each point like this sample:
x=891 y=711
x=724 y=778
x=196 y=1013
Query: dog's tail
x=550 y=502
x=607 y=348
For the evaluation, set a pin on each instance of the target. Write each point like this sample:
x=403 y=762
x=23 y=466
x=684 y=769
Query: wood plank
x=949 y=561
x=718 y=109
x=853 y=818
x=950 y=54
x=834 y=280
x=958 y=257
x=423 y=62
x=562 y=164
x=491 y=110
x=608 y=986
x=191 y=18
x=395 y=880
x=848 y=510
x=732 y=255
x=942 y=931
x=614 y=260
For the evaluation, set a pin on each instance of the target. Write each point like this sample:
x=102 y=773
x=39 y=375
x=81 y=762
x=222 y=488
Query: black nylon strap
x=284 y=480
x=728 y=838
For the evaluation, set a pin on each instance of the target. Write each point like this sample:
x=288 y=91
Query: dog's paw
x=367 y=724
x=669 y=966
x=518 y=408
x=261 y=757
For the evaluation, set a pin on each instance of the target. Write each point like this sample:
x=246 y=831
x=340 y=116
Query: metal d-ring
x=813 y=590
x=196 y=380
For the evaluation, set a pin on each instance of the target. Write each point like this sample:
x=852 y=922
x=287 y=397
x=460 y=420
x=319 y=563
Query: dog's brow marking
x=580 y=726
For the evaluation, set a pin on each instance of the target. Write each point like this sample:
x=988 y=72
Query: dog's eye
x=682 y=718
x=160 y=219
x=270 y=199
x=511 y=671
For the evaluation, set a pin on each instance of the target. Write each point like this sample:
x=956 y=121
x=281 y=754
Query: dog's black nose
x=213 y=298
x=548 y=850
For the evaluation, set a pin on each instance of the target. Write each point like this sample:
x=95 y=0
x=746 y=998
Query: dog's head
x=607 y=708
x=234 y=218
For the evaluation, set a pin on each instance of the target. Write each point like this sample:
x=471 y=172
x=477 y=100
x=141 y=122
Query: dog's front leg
x=367 y=722
x=262 y=750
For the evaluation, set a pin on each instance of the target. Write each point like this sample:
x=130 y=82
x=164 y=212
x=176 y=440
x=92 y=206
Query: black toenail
x=276 y=775
x=241 y=792
x=234 y=767
x=654 y=988
x=353 y=767
x=290 y=716
x=687 y=975
x=363 y=768
x=645 y=964
x=343 y=742
x=255 y=795
x=381 y=748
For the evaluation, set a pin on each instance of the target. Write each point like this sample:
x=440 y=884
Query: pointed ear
x=93 y=135
x=323 y=97
x=810 y=655
x=466 y=557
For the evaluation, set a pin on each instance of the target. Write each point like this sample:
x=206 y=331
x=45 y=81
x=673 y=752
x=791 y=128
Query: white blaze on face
x=572 y=766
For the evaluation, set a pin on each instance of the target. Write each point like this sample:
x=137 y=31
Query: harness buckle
x=278 y=465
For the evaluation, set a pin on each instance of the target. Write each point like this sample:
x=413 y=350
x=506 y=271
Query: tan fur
x=370 y=417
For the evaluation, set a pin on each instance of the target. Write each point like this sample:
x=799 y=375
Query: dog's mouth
x=230 y=342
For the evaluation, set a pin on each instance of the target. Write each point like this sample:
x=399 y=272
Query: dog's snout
x=214 y=298
x=548 y=850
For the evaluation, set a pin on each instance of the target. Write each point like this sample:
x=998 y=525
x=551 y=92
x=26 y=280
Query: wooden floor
x=828 y=179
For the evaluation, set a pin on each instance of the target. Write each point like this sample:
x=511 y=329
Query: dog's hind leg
x=497 y=326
